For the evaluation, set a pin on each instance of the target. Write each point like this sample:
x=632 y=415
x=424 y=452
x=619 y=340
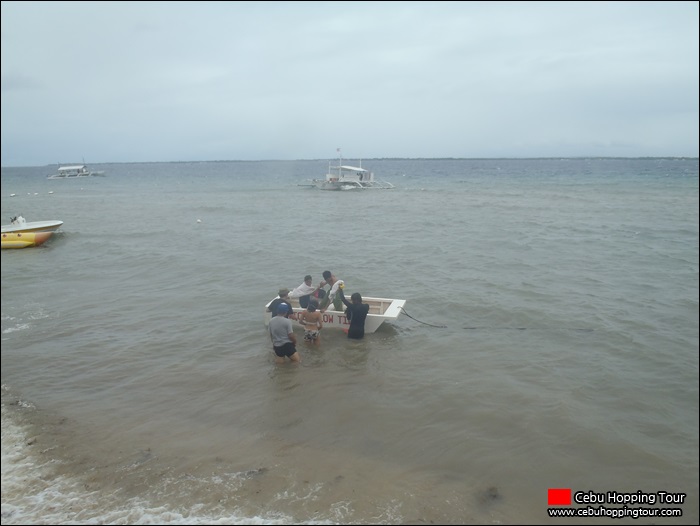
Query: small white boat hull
x=380 y=310
x=32 y=226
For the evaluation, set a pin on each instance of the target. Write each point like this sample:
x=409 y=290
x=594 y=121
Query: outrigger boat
x=71 y=172
x=24 y=239
x=380 y=310
x=345 y=177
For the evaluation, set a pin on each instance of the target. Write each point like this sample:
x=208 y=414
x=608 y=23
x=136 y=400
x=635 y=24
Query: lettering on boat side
x=327 y=318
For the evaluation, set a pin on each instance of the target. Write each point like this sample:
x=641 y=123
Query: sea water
x=549 y=341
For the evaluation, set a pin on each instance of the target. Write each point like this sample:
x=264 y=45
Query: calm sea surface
x=549 y=340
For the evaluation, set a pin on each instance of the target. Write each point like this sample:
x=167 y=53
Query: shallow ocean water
x=550 y=341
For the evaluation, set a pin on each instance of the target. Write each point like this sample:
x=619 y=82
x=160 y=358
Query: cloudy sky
x=181 y=81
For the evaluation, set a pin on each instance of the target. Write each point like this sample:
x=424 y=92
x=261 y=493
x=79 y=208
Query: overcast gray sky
x=181 y=81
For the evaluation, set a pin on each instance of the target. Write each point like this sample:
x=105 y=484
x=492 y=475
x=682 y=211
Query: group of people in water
x=315 y=300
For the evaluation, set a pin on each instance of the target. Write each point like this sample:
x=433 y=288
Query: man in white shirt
x=335 y=284
x=304 y=291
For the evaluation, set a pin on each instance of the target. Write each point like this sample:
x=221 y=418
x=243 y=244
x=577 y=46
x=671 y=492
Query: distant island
x=668 y=158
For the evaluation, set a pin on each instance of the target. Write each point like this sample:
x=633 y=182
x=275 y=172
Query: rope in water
x=490 y=328
x=424 y=323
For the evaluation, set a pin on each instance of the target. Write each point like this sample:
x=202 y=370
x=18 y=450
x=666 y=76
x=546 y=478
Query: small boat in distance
x=380 y=310
x=346 y=177
x=71 y=172
x=19 y=224
x=24 y=239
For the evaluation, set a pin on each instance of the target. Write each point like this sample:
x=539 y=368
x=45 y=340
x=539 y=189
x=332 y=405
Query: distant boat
x=74 y=171
x=24 y=239
x=19 y=224
x=346 y=177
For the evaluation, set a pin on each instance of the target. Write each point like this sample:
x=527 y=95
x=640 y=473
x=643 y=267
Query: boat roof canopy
x=353 y=168
x=75 y=167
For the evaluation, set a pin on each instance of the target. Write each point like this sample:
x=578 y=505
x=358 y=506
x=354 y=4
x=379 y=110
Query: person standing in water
x=282 y=335
x=311 y=321
x=283 y=298
x=357 y=314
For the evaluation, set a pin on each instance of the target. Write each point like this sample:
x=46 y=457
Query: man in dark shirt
x=283 y=298
x=356 y=313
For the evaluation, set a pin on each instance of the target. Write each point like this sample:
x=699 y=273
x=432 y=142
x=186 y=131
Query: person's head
x=283 y=293
x=327 y=275
x=356 y=297
x=311 y=307
x=282 y=309
x=308 y=279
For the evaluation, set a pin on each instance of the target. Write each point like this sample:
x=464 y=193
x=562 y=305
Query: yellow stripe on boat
x=24 y=239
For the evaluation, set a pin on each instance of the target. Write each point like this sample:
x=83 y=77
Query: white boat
x=346 y=177
x=380 y=310
x=77 y=170
x=19 y=224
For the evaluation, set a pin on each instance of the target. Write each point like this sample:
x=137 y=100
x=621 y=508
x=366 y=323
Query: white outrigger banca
x=346 y=177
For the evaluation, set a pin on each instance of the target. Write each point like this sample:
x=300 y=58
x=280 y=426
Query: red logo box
x=559 y=496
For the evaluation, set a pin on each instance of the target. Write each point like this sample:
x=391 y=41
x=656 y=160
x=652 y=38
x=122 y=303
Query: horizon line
x=539 y=158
